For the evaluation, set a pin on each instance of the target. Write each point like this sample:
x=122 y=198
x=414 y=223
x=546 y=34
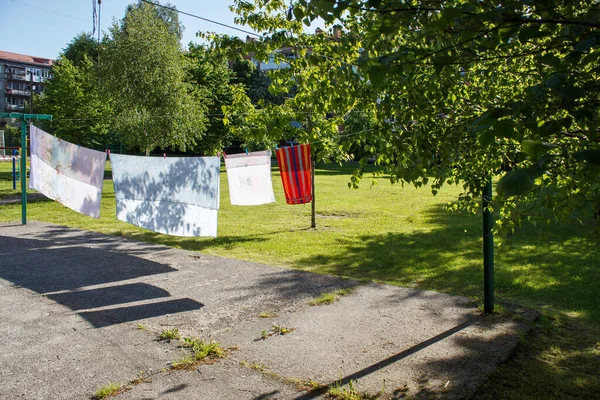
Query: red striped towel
x=295 y=169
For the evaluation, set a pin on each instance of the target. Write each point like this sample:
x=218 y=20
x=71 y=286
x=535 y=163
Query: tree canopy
x=72 y=97
x=82 y=45
x=460 y=91
x=143 y=72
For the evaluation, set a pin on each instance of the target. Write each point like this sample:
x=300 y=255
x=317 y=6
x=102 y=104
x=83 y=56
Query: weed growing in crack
x=184 y=362
x=267 y=315
x=141 y=378
x=108 y=390
x=202 y=350
x=276 y=329
x=169 y=334
x=330 y=298
x=337 y=392
x=280 y=329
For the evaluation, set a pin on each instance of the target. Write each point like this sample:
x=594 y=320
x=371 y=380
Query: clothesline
x=318 y=141
x=178 y=196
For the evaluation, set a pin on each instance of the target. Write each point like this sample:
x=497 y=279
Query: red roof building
x=21 y=76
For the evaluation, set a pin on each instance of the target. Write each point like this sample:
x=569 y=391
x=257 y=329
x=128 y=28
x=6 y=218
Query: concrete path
x=80 y=309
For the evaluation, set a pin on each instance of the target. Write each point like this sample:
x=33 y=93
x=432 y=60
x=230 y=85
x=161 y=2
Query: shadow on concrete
x=49 y=266
x=113 y=316
x=108 y=296
x=293 y=284
x=386 y=362
x=266 y=396
x=61 y=265
x=176 y=389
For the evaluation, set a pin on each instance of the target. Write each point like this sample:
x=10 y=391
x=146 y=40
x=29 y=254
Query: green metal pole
x=488 y=251
x=23 y=171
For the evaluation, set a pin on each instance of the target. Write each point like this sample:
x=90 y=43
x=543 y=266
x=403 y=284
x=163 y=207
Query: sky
x=43 y=28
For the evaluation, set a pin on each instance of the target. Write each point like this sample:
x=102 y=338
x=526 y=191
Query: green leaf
x=487 y=137
x=298 y=13
x=586 y=44
x=536 y=148
x=589 y=156
x=517 y=182
x=374 y=3
x=556 y=80
x=377 y=76
x=504 y=129
x=531 y=32
x=550 y=60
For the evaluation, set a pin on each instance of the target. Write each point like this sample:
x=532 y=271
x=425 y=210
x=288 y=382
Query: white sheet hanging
x=249 y=178
x=67 y=173
x=176 y=196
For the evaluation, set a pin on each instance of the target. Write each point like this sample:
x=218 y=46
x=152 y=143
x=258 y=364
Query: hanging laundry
x=176 y=196
x=295 y=168
x=67 y=173
x=249 y=178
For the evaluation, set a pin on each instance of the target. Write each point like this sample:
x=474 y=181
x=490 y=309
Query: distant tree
x=12 y=136
x=256 y=82
x=81 y=46
x=143 y=72
x=168 y=14
x=71 y=96
x=209 y=73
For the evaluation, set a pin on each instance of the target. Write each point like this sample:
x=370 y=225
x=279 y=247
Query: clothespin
x=108 y=151
x=165 y=156
x=246 y=151
x=224 y=155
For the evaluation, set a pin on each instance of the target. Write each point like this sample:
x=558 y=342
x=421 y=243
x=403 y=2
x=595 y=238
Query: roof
x=23 y=58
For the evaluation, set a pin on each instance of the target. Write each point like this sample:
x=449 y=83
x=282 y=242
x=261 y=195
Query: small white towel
x=249 y=178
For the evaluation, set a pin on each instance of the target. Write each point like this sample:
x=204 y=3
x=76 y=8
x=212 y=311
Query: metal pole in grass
x=313 y=220
x=14 y=174
x=23 y=171
x=23 y=160
x=488 y=250
x=313 y=207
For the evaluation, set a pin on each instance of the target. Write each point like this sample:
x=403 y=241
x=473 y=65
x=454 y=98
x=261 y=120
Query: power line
x=237 y=29
x=50 y=11
x=201 y=18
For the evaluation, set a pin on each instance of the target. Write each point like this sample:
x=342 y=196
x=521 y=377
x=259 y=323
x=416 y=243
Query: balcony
x=16 y=92
x=17 y=77
x=14 y=107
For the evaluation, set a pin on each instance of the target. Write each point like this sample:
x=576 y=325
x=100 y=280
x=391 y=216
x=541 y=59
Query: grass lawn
x=404 y=236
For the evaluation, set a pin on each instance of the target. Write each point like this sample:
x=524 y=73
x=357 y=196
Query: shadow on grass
x=193 y=244
x=559 y=359
x=553 y=266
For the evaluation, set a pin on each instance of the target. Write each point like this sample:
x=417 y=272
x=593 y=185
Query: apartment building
x=276 y=61
x=20 y=77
